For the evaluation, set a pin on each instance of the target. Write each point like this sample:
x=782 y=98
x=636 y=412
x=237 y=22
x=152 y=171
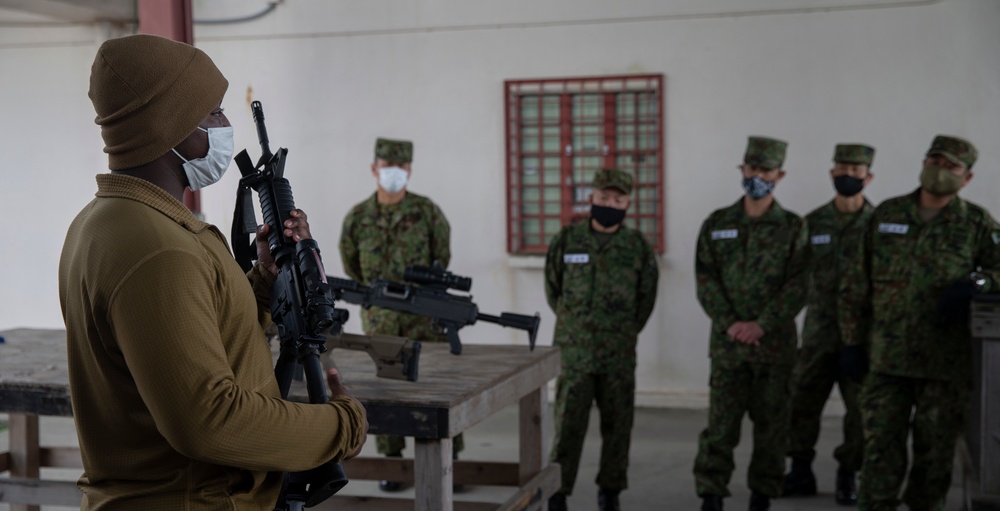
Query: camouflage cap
x=768 y=153
x=956 y=150
x=612 y=178
x=395 y=151
x=854 y=153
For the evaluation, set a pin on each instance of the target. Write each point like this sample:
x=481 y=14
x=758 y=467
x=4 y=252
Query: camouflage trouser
x=816 y=372
x=762 y=390
x=417 y=328
x=939 y=411
x=615 y=397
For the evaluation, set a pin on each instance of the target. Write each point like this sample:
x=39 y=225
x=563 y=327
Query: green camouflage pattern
x=815 y=374
x=602 y=303
x=614 y=394
x=854 y=153
x=612 y=178
x=940 y=410
x=738 y=388
x=768 y=153
x=394 y=151
x=749 y=269
x=917 y=368
x=380 y=242
x=907 y=264
x=956 y=150
x=752 y=269
x=834 y=239
x=602 y=296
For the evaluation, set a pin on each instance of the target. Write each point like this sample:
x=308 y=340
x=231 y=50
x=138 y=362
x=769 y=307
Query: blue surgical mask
x=209 y=169
x=757 y=188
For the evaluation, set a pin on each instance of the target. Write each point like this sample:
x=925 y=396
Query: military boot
x=759 y=502
x=800 y=481
x=391 y=486
x=711 y=503
x=557 y=502
x=607 y=500
x=847 y=493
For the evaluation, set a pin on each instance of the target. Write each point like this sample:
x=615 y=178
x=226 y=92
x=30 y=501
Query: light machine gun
x=425 y=293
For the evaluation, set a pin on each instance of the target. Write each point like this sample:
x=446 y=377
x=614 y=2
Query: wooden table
x=453 y=393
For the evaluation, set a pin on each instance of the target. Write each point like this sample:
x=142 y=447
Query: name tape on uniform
x=893 y=228
x=576 y=258
x=821 y=239
x=725 y=234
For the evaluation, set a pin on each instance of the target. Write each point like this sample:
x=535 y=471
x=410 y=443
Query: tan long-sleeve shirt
x=173 y=391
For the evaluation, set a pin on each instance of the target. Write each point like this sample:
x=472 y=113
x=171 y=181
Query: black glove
x=953 y=308
x=854 y=362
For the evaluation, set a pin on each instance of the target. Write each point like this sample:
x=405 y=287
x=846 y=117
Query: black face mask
x=848 y=186
x=608 y=217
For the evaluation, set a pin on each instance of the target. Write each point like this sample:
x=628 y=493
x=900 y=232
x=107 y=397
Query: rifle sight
x=433 y=276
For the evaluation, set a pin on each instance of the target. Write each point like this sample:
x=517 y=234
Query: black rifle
x=301 y=301
x=426 y=294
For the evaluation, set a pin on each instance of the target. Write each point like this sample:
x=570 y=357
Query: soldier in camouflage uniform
x=924 y=256
x=835 y=231
x=750 y=268
x=600 y=279
x=382 y=236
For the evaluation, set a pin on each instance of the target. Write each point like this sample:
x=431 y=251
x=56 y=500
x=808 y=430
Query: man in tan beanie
x=174 y=396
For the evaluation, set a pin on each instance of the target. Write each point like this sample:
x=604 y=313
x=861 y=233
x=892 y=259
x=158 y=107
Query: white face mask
x=209 y=169
x=392 y=179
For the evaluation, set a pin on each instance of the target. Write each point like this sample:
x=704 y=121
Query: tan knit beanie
x=150 y=93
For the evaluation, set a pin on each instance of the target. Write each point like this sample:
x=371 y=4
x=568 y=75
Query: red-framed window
x=560 y=131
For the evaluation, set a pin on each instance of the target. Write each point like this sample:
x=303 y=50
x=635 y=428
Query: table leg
x=432 y=475
x=534 y=447
x=24 y=452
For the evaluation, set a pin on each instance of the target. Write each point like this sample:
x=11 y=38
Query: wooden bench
x=453 y=394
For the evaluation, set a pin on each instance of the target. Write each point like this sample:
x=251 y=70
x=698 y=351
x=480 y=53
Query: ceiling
x=76 y=10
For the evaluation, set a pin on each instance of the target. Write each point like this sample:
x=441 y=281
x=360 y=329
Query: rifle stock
x=395 y=357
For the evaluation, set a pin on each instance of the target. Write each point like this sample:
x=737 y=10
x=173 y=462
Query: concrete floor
x=664 y=444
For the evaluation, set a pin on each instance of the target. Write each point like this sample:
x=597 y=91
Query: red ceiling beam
x=171 y=19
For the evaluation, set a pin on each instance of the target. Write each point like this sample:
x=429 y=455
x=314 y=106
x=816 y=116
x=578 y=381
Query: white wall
x=334 y=76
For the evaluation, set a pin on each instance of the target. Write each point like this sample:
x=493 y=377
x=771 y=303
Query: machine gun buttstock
x=397 y=358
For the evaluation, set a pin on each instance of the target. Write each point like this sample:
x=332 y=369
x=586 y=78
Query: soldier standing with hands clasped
x=750 y=269
x=923 y=258
x=600 y=279
x=835 y=231
x=382 y=236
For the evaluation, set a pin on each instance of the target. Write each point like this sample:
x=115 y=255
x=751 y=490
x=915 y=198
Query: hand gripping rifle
x=425 y=293
x=301 y=301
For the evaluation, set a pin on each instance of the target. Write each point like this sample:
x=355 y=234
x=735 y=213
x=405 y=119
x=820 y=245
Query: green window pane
x=529 y=139
x=529 y=108
x=553 y=208
x=552 y=226
x=530 y=209
x=550 y=109
x=551 y=139
x=588 y=107
x=529 y=195
x=552 y=194
x=551 y=173
x=625 y=106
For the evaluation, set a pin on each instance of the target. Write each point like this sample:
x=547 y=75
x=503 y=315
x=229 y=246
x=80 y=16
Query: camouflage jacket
x=602 y=296
x=752 y=269
x=833 y=249
x=379 y=242
x=890 y=301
